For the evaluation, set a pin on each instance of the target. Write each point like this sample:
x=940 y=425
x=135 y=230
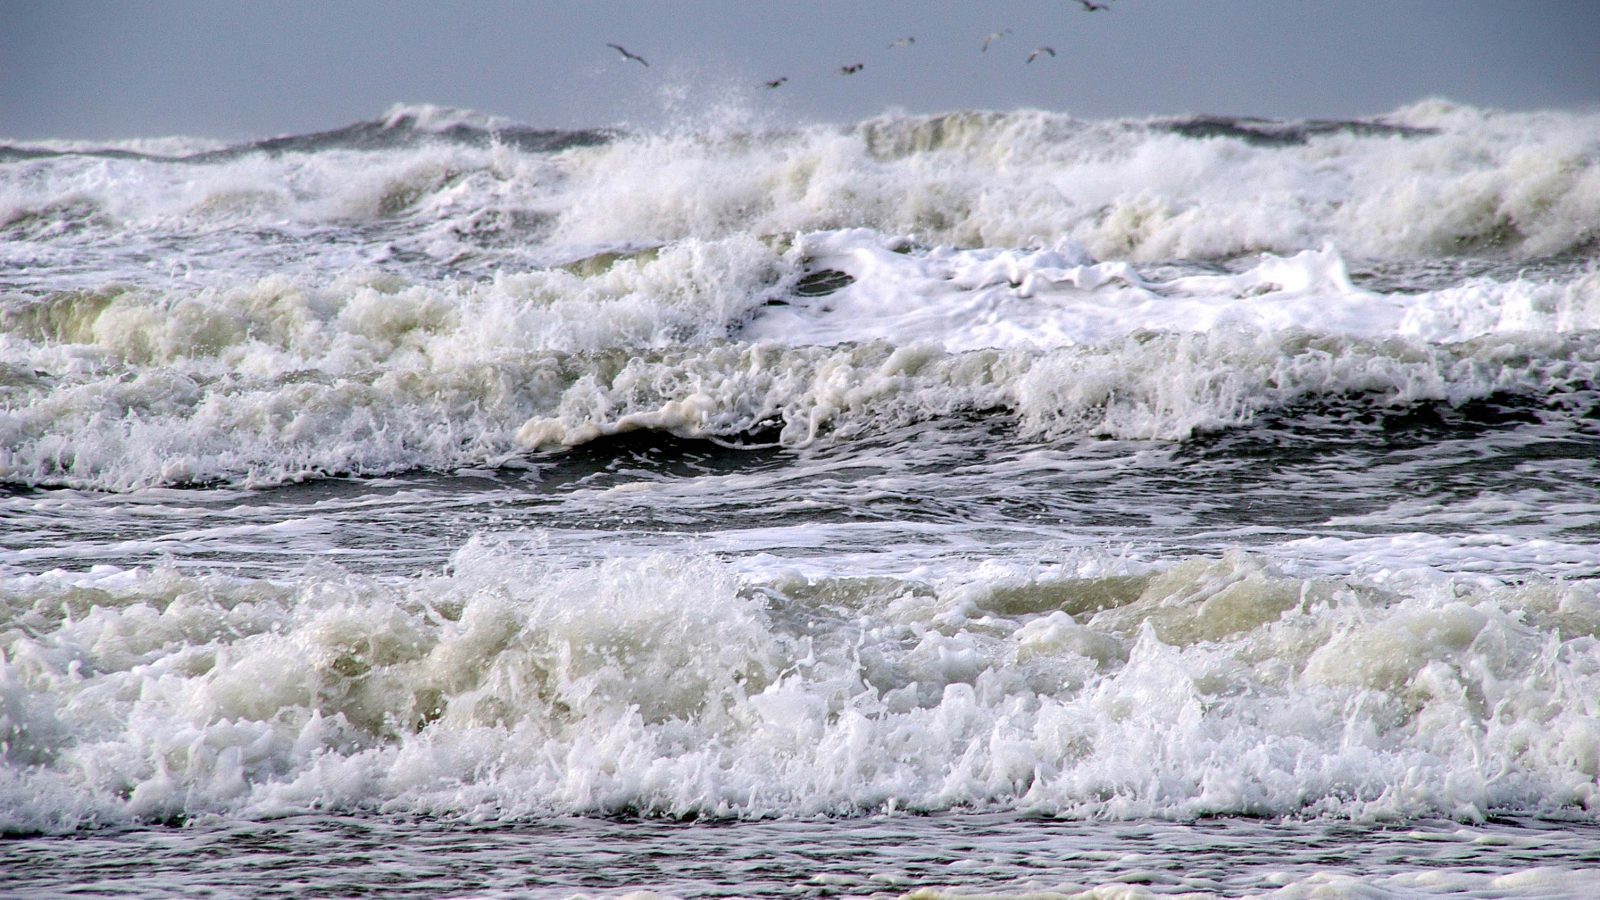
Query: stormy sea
x=989 y=503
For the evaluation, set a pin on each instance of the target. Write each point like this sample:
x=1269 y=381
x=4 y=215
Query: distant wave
x=1274 y=133
x=1428 y=180
x=402 y=126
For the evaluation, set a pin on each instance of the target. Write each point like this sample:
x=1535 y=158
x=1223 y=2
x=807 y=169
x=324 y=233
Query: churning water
x=988 y=502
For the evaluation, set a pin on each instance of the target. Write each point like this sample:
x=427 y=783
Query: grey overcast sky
x=256 y=68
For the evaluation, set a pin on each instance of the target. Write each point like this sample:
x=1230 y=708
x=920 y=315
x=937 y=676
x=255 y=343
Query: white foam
x=511 y=688
x=1523 y=184
x=277 y=379
x=274 y=378
x=170 y=146
x=435 y=118
x=1485 y=182
x=1043 y=298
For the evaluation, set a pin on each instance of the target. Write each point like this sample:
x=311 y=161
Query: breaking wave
x=1092 y=687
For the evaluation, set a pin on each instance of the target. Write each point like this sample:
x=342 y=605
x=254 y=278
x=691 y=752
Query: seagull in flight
x=1091 y=6
x=993 y=36
x=626 y=55
x=777 y=82
x=850 y=69
x=1035 y=54
x=903 y=42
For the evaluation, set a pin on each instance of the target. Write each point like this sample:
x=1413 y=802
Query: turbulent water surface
x=988 y=502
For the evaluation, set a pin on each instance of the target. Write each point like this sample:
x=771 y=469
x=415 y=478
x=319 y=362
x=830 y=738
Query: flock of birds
x=852 y=68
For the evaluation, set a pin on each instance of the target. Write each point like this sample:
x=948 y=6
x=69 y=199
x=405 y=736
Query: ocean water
x=977 y=504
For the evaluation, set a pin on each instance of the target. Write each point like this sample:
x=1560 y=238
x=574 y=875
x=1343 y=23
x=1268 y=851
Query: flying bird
x=626 y=55
x=993 y=36
x=1091 y=6
x=777 y=82
x=903 y=42
x=850 y=69
x=1035 y=54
